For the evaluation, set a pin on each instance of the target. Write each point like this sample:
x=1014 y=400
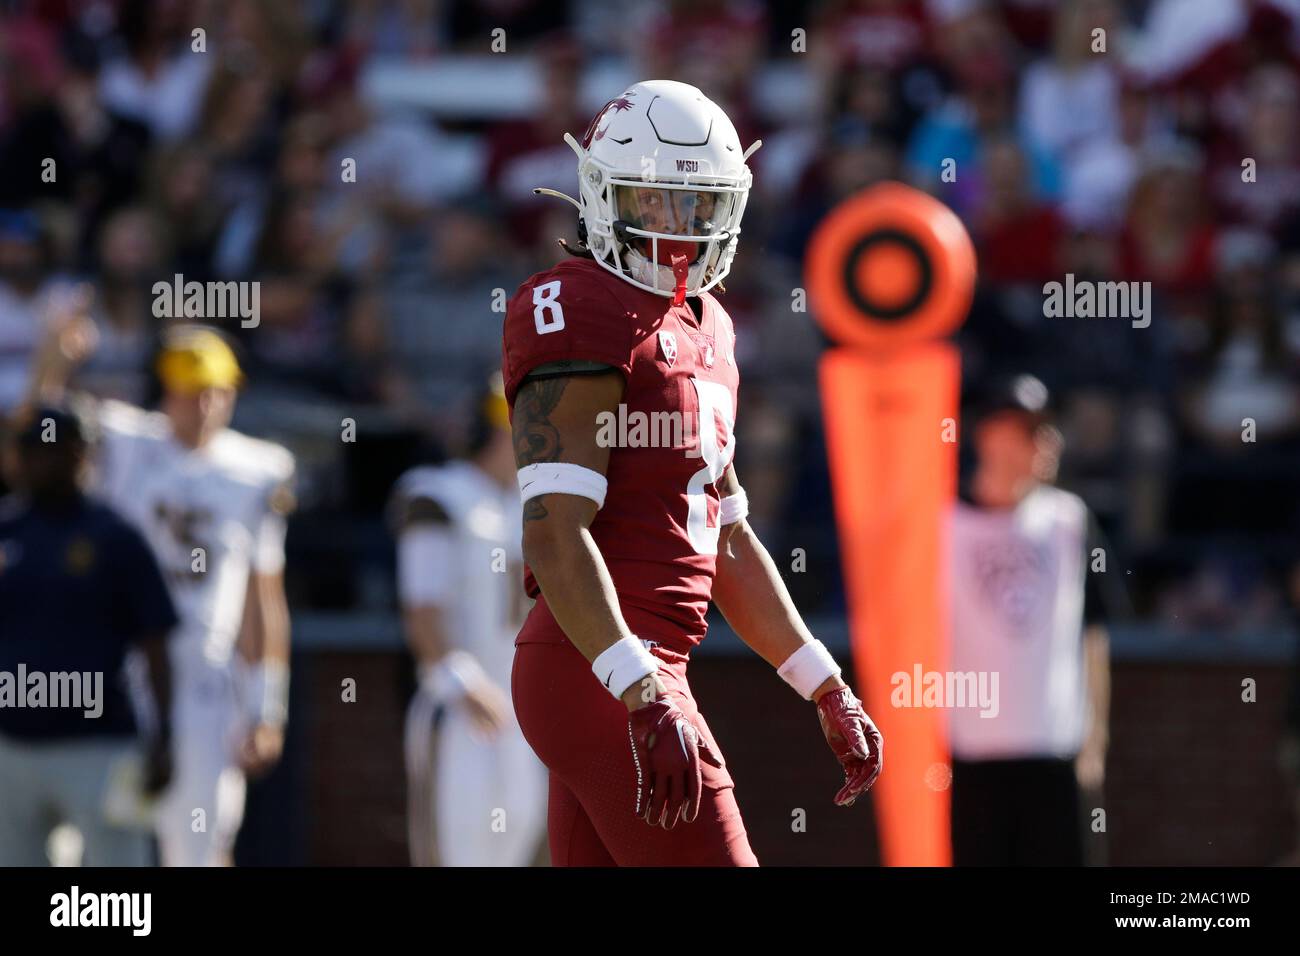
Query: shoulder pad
x=575 y=311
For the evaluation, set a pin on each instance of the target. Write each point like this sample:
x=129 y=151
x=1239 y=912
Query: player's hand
x=854 y=740
x=667 y=750
x=487 y=707
x=158 y=767
x=261 y=748
x=71 y=335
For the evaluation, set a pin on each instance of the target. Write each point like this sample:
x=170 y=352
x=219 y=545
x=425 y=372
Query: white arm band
x=448 y=678
x=733 y=508
x=266 y=693
x=546 y=477
x=807 y=668
x=622 y=664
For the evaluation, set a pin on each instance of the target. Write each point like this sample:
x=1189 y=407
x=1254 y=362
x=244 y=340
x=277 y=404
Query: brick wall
x=1193 y=777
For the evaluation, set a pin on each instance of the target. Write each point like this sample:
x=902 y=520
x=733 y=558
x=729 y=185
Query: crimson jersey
x=671 y=441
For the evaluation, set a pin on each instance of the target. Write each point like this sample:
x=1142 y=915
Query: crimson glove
x=667 y=749
x=854 y=740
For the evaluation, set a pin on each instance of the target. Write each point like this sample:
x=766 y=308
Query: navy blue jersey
x=78 y=587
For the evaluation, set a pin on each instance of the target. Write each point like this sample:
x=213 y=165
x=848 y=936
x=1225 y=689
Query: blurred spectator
x=958 y=132
x=131 y=260
x=524 y=154
x=885 y=34
x=1168 y=238
x=443 y=321
x=1100 y=175
x=156 y=79
x=413 y=29
x=1072 y=99
x=713 y=44
x=27 y=295
x=1247 y=373
x=1018 y=237
x=1269 y=135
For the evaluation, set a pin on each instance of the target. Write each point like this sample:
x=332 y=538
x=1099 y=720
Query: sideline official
x=78 y=589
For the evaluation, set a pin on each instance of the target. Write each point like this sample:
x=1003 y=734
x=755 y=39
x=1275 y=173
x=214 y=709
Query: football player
x=212 y=504
x=627 y=541
x=476 y=792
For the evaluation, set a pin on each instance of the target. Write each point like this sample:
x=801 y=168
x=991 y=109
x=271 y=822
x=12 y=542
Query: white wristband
x=448 y=678
x=733 y=508
x=266 y=693
x=622 y=664
x=808 y=668
x=558 y=476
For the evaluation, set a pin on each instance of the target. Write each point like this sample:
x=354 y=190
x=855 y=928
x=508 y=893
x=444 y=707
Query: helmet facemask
x=662 y=187
x=642 y=228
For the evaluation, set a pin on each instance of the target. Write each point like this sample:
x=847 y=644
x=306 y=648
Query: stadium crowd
x=1169 y=154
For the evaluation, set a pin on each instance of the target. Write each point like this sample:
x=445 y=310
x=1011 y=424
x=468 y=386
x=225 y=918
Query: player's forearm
x=160 y=681
x=275 y=624
x=1096 y=644
x=576 y=584
x=748 y=589
x=264 y=644
x=426 y=632
x=264 y=632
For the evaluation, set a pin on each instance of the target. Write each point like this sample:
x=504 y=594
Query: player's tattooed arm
x=556 y=419
x=536 y=436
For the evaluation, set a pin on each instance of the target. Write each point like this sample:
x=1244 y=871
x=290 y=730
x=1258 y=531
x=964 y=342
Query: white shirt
x=1017 y=582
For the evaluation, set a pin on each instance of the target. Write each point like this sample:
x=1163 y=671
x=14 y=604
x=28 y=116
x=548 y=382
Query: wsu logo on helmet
x=618 y=105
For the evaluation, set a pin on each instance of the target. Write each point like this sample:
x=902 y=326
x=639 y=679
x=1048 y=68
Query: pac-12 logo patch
x=668 y=345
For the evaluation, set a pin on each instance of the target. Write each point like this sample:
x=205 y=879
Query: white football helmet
x=662 y=186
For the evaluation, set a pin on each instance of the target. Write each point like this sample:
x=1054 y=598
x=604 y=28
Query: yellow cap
x=195 y=358
x=495 y=408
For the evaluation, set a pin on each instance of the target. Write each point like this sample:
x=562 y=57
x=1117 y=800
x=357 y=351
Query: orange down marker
x=890 y=273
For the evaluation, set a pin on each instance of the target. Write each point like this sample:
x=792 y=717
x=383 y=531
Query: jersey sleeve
x=277 y=502
x=420 y=516
x=564 y=315
x=124 y=434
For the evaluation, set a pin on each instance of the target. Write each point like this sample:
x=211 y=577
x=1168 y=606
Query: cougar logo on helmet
x=622 y=103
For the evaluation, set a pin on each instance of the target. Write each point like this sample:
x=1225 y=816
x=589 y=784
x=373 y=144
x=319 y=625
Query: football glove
x=667 y=749
x=854 y=740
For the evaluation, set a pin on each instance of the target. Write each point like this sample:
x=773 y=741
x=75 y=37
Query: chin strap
x=681 y=269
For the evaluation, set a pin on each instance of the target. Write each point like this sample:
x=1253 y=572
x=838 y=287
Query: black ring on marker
x=862 y=301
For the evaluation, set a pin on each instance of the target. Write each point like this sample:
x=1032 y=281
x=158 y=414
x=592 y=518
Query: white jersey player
x=212 y=504
x=477 y=793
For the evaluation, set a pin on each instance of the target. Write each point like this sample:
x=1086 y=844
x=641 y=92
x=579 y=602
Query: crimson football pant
x=580 y=732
